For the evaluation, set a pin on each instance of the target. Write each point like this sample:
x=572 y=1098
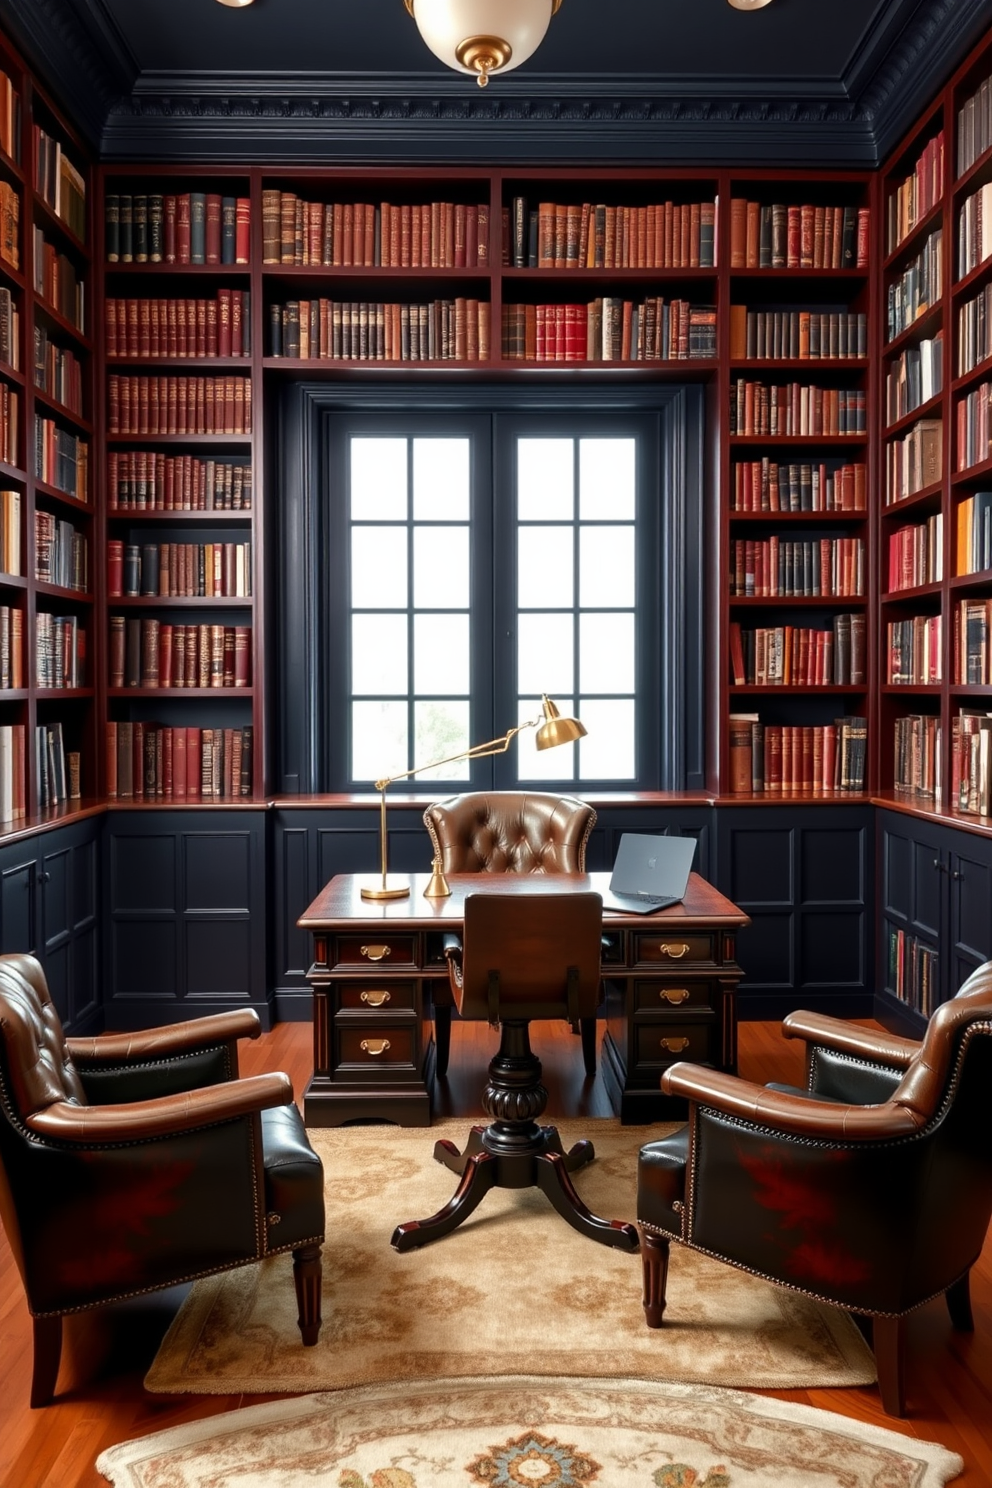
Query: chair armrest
x=173 y=1038
x=792 y=1115
x=851 y=1038
x=166 y=1116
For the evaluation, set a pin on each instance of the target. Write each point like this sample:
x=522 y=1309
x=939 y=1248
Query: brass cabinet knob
x=375 y=999
x=675 y=949
x=675 y=1045
x=374 y=1046
x=376 y=952
x=674 y=994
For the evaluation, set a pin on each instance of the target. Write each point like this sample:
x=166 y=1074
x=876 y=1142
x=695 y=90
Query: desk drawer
x=659 y=1044
x=378 y=997
x=374 y=950
x=675 y=949
x=669 y=997
x=382 y=1046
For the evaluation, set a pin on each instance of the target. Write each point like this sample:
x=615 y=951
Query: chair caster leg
x=307 y=1273
x=47 y=1354
x=887 y=1341
x=654 y=1265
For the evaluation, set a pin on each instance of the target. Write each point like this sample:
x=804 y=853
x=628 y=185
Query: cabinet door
x=969 y=941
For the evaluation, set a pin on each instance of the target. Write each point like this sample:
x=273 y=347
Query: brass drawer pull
x=376 y=952
x=673 y=994
x=675 y=949
x=375 y=999
x=374 y=1046
x=674 y=1045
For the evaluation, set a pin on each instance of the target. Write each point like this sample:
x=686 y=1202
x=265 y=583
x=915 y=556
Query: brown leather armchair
x=509 y=832
x=525 y=956
x=134 y=1161
x=871 y=1190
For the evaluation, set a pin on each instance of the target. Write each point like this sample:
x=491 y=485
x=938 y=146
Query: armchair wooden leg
x=654 y=1267
x=442 y=1040
x=307 y=1273
x=958 y=1298
x=588 y=1030
x=47 y=1353
x=888 y=1343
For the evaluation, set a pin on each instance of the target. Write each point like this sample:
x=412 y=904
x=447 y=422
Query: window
x=477 y=562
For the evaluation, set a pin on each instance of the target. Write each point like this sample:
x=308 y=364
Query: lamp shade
x=482 y=36
x=556 y=730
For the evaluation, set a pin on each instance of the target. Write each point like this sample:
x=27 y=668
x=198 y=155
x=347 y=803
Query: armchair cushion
x=661 y=1175
x=294 y=1180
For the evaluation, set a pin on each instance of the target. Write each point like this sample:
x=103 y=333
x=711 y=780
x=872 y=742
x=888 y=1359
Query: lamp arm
x=478 y=751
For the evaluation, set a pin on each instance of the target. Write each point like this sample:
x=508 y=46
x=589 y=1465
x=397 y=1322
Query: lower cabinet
x=805 y=876
x=49 y=906
x=185 y=895
x=935 y=914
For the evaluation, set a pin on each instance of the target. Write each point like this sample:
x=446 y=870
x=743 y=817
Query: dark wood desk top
x=339 y=904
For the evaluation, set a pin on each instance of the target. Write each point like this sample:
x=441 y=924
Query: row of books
x=797 y=335
x=150 y=653
x=610 y=329
x=974 y=131
x=780 y=235
x=973 y=427
x=914 y=377
x=800 y=656
x=10 y=531
x=917 y=764
x=61 y=459
x=10 y=225
x=10 y=408
x=971 y=761
x=595 y=235
x=10 y=118
x=13 y=772
x=178 y=404
x=361 y=331
x=193 y=227
x=59 y=651
x=975 y=229
x=148 y=480
x=975 y=330
x=795 y=408
x=58 y=371
x=57 y=281
x=913 y=650
x=972 y=657
x=797 y=757
x=58 y=769
x=424 y=235
x=973 y=551
x=11 y=647
x=912 y=971
x=768 y=485
x=153 y=761
x=178 y=326
x=917 y=194
x=208 y=570
x=914 y=460
x=833 y=567
x=61 y=553
x=919 y=286
x=59 y=183
x=916 y=554
x=10 y=330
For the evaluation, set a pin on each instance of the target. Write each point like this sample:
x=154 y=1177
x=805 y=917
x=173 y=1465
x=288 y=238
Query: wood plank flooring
x=100 y=1395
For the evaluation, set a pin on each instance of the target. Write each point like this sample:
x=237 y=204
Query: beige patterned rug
x=533 y=1432
x=515 y=1288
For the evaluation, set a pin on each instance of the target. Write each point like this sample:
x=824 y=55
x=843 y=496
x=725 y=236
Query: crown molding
x=79 y=52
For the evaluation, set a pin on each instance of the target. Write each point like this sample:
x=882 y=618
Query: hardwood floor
x=100 y=1395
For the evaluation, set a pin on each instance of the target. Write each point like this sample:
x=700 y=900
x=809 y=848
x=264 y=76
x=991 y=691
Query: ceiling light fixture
x=482 y=37
x=749 y=4
x=234 y=4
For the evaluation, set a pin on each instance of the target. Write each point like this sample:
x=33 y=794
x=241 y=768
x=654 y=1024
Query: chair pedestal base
x=513 y=1151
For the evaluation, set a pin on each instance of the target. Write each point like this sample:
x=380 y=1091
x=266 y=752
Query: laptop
x=649 y=873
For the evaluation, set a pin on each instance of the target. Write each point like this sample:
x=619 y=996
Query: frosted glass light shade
x=456 y=31
x=749 y=4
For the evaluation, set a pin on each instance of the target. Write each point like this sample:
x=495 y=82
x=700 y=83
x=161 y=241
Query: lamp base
x=386 y=893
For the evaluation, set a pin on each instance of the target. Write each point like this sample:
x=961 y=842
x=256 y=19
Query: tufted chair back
x=510 y=832
x=38 y=1067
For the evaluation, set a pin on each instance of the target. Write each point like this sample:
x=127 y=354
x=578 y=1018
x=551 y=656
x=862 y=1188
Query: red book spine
x=169 y=213
x=224 y=343
x=183 y=229
x=115 y=568
x=179 y=761
x=212 y=228
x=193 y=761
x=110 y=756
x=242 y=230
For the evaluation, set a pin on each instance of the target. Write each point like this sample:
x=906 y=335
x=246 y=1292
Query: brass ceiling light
x=482 y=37
x=235 y=4
x=749 y=4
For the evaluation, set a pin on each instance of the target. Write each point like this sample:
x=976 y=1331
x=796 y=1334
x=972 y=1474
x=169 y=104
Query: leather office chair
x=525 y=956
x=509 y=832
x=872 y=1190
x=134 y=1161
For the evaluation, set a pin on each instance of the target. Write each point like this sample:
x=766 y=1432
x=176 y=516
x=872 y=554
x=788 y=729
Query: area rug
x=514 y=1288
x=528 y=1430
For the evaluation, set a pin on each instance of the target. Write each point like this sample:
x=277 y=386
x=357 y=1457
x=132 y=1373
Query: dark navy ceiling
x=801 y=81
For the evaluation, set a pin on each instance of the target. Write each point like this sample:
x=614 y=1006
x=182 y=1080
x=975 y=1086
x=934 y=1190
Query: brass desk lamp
x=552 y=730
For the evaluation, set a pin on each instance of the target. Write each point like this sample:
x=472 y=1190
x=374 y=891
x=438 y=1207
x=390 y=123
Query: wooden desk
x=670 y=983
